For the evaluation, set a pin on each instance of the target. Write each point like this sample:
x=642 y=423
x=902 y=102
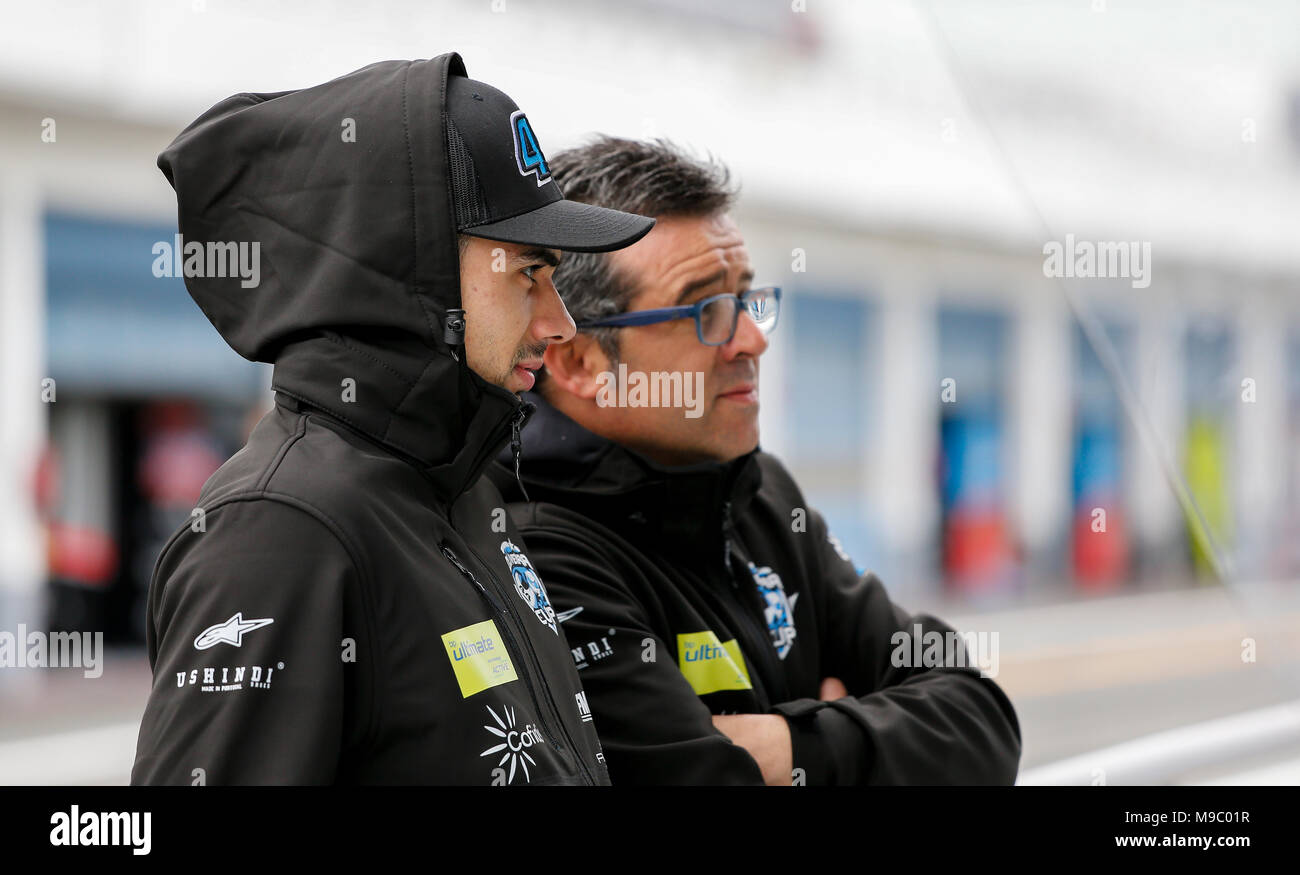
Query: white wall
x=22 y=412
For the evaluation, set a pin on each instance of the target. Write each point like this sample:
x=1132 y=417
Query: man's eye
x=528 y=271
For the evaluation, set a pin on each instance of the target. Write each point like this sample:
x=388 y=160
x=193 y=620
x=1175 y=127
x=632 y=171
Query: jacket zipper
x=512 y=642
x=764 y=638
x=516 y=446
x=517 y=420
x=546 y=688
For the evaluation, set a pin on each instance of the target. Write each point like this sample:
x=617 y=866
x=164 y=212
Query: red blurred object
x=1100 y=558
x=74 y=554
x=178 y=457
x=976 y=550
x=45 y=481
x=81 y=555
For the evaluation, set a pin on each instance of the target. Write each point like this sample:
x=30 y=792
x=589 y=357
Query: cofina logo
x=513 y=747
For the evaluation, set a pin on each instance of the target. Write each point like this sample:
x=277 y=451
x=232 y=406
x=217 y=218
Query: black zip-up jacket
x=714 y=588
x=349 y=602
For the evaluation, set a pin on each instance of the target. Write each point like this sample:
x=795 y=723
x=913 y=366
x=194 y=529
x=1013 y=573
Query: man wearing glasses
x=721 y=634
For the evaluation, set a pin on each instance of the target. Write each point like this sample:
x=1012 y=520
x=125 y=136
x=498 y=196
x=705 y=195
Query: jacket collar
x=448 y=426
x=564 y=463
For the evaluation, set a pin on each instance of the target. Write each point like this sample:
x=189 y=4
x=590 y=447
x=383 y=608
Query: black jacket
x=349 y=602
x=714 y=589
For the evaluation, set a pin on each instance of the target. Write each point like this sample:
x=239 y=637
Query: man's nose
x=551 y=320
x=749 y=339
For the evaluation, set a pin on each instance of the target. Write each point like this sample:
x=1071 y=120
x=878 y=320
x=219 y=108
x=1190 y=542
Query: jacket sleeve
x=653 y=727
x=245 y=632
x=902 y=723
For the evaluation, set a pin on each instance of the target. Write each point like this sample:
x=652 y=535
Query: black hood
x=345 y=187
x=563 y=463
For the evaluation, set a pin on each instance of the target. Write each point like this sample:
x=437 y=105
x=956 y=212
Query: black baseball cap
x=502 y=186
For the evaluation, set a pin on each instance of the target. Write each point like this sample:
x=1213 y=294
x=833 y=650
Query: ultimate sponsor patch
x=478 y=657
x=710 y=665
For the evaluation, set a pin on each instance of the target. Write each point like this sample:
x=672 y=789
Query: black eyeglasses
x=715 y=316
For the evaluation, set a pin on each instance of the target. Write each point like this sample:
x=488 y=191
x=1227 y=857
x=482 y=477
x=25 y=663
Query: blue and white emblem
x=528 y=154
x=529 y=585
x=778 y=610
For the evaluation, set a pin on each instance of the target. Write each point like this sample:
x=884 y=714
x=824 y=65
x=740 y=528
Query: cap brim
x=570 y=226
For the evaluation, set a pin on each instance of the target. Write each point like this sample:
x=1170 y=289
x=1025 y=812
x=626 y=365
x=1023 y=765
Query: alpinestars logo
x=529 y=585
x=230 y=632
x=778 y=610
x=513 y=746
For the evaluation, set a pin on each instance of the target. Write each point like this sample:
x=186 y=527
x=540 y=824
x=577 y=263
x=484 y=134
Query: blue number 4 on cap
x=527 y=153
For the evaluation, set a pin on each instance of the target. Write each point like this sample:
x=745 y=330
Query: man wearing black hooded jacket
x=349 y=603
x=721 y=633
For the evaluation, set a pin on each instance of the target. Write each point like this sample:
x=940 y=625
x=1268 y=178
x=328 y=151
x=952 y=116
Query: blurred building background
x=903 y=167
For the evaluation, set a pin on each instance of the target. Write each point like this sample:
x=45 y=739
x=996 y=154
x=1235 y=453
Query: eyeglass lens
x=718 y=317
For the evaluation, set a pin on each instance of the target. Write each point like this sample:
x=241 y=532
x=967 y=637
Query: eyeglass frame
x=632 y=318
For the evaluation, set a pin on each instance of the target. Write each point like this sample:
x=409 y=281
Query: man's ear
x=575 y=367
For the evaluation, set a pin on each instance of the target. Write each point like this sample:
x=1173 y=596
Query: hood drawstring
x=516 y=445
x=453 y=334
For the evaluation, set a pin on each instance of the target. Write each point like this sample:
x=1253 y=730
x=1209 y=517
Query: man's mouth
x=524 y=371
x=746 y=393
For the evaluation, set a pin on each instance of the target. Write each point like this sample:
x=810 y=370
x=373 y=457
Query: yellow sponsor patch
x=711 y=665
x=478 y=656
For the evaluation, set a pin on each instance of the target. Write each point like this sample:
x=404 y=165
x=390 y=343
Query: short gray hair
x=649 y=177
